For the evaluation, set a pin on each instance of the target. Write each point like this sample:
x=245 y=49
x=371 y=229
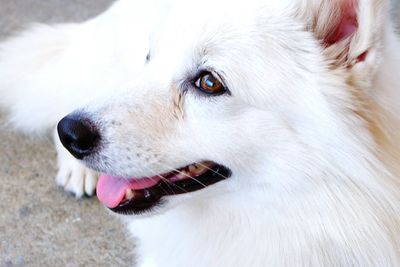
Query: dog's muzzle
x=134 y=195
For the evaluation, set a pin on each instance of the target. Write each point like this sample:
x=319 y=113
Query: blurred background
x=41 y=225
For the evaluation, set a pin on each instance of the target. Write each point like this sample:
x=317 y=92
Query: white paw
x=76 y=178
x=72 y=175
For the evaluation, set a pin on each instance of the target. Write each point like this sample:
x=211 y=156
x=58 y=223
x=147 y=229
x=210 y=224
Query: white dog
x=234 y=133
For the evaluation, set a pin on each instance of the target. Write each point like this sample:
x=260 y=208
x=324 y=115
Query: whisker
x=161 y=177
x=166 y=181
x=208 y=168
x=187 y=175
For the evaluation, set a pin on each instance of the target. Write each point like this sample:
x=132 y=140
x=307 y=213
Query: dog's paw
x=72 y=175
x=76 y=178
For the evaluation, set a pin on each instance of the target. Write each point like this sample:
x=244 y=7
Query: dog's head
x=238 y=98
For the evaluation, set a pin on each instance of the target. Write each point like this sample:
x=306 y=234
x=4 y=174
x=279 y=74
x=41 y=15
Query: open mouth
x=133 y=195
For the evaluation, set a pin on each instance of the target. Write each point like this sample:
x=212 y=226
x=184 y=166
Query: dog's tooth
x=192 y=168
x=129 y=194
x=182 y=175
x=186 y=172
x=202 y=167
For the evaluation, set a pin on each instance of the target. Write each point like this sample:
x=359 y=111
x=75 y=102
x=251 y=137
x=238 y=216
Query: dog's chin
x=150 y=195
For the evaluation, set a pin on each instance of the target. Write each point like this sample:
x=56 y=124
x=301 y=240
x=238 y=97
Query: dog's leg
x=73 y=176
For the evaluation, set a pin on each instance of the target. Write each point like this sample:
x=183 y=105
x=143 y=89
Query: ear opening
x=343 y=21
x=350 y=31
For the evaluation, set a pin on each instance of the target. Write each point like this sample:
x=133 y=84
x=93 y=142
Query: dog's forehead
x=192 y=20
x=192 y=27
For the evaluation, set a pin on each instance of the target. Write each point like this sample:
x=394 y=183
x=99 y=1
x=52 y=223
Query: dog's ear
x=350 y=31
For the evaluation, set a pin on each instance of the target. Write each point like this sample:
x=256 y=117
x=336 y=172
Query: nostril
x=78 y=135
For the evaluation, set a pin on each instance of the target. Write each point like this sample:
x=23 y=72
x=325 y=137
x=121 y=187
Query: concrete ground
x=40 y=225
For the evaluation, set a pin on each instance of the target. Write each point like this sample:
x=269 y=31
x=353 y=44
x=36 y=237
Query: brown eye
x=207 y=83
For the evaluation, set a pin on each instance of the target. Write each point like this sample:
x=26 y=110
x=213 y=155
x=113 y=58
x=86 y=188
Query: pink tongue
x=111 y=190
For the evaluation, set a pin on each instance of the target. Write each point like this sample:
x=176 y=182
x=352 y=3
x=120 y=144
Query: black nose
x=78 y=135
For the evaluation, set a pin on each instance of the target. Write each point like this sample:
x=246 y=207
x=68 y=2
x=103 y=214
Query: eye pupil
x=208 y=83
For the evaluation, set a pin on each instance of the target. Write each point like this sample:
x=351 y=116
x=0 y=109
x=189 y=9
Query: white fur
x=309 y=133
x=72 y=175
